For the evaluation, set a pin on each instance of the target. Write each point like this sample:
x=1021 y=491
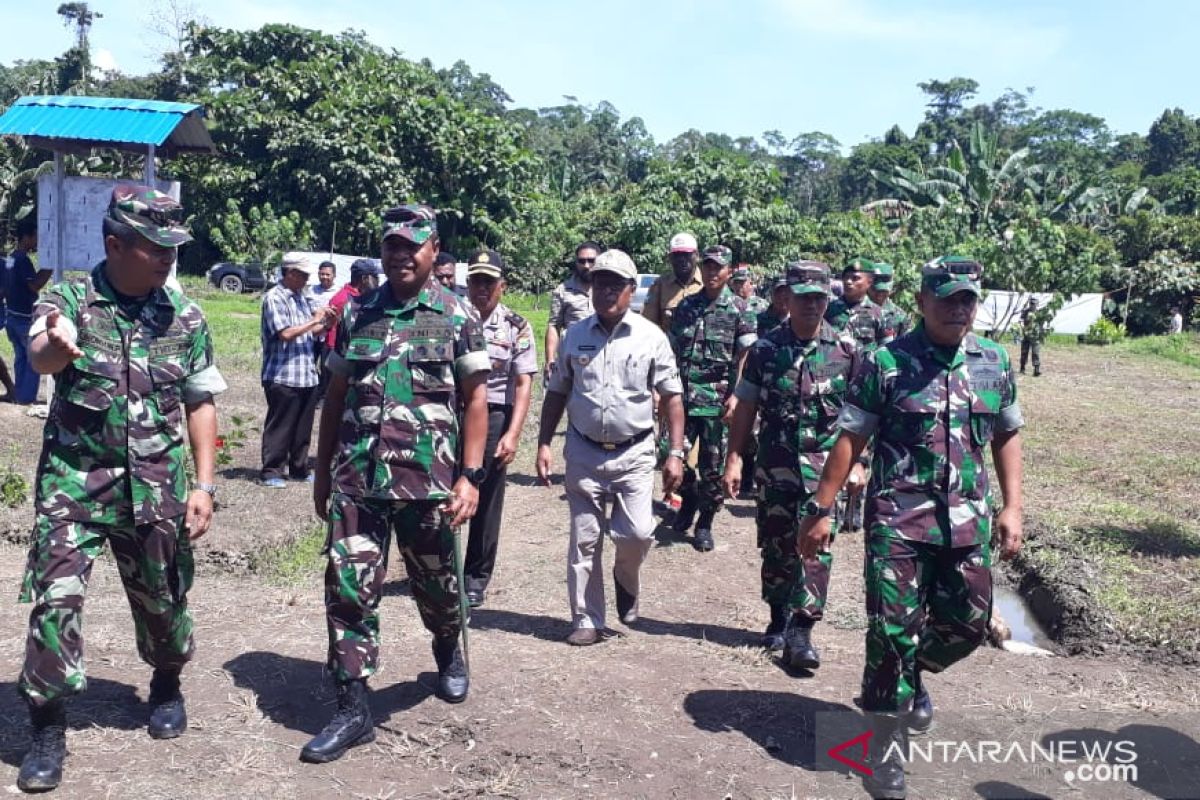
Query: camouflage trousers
x=711 y=437
x=848 y=511
x=156 y=568
x=800 y=585
x=928 y=606
x=360 y=534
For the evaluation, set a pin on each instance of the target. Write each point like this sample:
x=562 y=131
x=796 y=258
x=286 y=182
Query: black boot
x=798 y=650
x=351 y=725
x=168 y=716
x=886 y=781
x=687 y=510
x=920 y=719
x=626 y=602
x=703 y=535
x=772 y=638
x=453 y=681
x=41 y=769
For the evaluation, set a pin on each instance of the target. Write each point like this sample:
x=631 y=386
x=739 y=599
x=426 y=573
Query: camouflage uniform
x=933 y=412
x=767 y=321
x=896 y=321
x=112 y=470
x=665 y=295
x=570 y=302
x=395 y=463
x=862 y=320
x=706 y=337
x=798 y=387
x=757 y=305
x=1034 y=322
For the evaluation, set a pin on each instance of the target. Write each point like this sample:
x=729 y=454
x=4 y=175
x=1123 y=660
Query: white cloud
x=914 y=26
x=104 y=61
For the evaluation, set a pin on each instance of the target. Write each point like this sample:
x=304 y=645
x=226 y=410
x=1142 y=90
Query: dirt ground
x=679 y=705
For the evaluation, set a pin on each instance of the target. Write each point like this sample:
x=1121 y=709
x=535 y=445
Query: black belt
x=616 y=445
x=505 y=407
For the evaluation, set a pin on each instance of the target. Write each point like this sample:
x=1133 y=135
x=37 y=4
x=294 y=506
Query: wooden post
x=148 y=170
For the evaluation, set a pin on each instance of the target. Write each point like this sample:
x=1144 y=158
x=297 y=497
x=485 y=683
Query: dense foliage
x=318 y=133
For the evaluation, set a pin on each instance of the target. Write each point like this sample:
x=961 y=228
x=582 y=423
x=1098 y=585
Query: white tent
x=1001 y=308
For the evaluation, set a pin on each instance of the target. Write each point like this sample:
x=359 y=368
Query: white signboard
x=84 y=201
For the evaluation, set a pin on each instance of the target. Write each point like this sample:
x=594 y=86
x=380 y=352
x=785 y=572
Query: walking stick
x=463 y=605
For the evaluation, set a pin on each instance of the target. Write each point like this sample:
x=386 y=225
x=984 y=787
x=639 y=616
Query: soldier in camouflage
x=795 y=380
x=896 y=321
x=133 y=365
x=776 y=313
x=742 y=283
x=710 y=334
x=388 y=463
x=934 y=400
x=1034 y=324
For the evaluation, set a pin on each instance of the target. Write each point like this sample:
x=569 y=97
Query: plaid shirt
x=287 y=363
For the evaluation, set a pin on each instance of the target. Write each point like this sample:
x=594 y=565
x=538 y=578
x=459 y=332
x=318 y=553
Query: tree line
x=318 y=132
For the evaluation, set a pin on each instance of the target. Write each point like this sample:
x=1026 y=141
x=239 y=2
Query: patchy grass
x=298 y=561
x=1112 y=464
x=1182 y=348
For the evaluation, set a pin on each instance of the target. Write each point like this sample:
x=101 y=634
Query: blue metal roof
x=107 y=121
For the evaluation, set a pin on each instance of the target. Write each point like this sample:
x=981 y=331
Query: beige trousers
x=596 y=478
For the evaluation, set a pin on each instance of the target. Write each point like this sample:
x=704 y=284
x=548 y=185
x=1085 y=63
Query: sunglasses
x=585 y=261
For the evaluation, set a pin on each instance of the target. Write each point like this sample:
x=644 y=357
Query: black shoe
x=475 y=597
x=453 y=681
x=703 y=539
x=686 y=513
x=772 y=638
x=625 y=602
x=41 y=769
x=351 y=725
x=886 y=781
x=798 y=650
x=1037 y=374
x=168 y=716
x=920 y=719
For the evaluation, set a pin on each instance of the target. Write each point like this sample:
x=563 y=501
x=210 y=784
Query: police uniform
x=112 y=462
x=510 y=348
x=609 y=381
x=707 y=336
x=798 y=387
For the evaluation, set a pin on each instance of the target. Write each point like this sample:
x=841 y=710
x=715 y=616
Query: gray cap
x=617 y=262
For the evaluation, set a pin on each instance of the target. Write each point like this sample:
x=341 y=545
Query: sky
x=846 y=67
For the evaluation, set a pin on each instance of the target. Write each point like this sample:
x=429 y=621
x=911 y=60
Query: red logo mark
x=862 y=741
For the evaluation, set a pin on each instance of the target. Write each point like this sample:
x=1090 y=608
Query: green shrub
x=1104 y=331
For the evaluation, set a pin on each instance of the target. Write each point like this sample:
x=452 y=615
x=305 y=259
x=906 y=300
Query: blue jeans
x=24 y=377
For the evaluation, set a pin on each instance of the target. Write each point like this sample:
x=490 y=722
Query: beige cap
x=297 y=261
x=617 y=262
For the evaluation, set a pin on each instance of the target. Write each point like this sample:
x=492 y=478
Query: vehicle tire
x=231 y=283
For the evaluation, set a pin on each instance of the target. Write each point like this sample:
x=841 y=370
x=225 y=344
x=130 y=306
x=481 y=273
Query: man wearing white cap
x=289 y=371
x=669 y=290
x=608 y=369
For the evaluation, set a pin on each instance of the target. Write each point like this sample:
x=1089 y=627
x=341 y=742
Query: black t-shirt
x=17 y=294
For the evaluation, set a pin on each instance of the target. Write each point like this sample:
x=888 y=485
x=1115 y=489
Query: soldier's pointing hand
x=61 y=334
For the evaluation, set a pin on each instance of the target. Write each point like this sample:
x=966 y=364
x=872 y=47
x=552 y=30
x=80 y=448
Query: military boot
x=41 y=769
x=798 y=649
x=168 y=716
x=703 y=535
x=351 y=725
x=772 y=638
x=453 y=681
x=889 y=748
x=920 y=719
x=687 y=510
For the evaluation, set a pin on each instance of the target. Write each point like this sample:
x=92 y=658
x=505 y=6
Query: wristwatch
x=811 y=509
x=209 y=488
x=474 y=475
x=680 y=454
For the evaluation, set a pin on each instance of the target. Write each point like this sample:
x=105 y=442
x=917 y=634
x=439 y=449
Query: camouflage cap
x=779 y=281
x=741 y=273
x=413 y=221
x=883 y=276
x=719 y=254
x=486 y=262
x=155 y=215
x=808 y=277
x=946 y=275
x=859 y=264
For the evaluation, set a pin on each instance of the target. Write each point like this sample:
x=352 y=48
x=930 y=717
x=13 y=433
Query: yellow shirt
x=666 y=293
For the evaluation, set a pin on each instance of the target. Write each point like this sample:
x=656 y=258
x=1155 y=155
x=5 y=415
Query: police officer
x=571 y=300
x=669 y=290
x=934 y=399
x=510 y=347
x=386 y=464
x=896 y=321
x=133 y=364
x=796 y=380
x=609 y=368
x=710 y=334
